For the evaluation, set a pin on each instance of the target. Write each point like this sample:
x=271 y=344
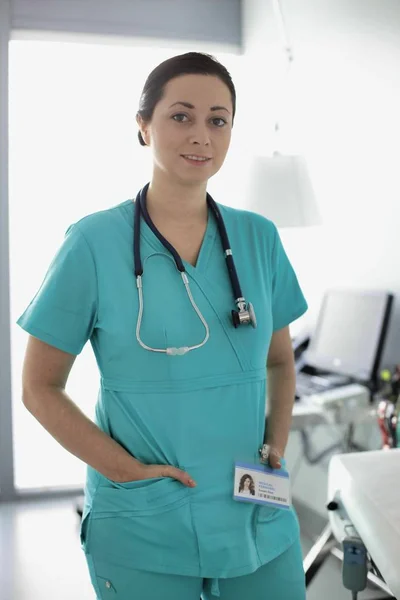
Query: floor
x=41 y=557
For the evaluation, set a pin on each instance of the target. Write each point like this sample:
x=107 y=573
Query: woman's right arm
x=45 y=374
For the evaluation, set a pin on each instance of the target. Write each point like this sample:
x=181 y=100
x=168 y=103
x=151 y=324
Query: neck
x=174 y=202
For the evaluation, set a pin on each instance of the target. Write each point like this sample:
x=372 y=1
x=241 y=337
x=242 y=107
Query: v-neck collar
x=206 y=245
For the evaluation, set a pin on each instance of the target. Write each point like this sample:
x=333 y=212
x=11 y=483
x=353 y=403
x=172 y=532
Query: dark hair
x=183 y=64
x=251 y=486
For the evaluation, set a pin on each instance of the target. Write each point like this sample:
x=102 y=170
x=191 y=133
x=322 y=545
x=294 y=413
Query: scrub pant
x=280 y=579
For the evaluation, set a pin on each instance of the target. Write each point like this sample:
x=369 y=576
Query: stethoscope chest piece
x=245 y=315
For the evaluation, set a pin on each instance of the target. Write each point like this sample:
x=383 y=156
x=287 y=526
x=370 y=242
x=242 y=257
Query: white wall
x=343 y=114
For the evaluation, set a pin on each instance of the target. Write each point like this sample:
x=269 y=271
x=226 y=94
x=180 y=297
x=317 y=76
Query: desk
x=343 y=405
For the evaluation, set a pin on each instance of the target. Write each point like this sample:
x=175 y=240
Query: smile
x=193 y=159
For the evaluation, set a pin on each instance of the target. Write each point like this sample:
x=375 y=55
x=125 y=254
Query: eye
x=218 y=121
x=178 y=118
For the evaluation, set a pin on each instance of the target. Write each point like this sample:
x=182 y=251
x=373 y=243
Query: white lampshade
x=281 y=190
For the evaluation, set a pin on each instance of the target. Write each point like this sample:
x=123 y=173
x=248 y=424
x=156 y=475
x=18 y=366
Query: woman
x=183 y=369
x=246 y=485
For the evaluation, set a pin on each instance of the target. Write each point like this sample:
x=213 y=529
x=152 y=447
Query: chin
x=201 y=179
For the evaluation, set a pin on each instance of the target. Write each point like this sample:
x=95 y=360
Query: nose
x=200 y=135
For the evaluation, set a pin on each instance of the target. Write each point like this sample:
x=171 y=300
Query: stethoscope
x=244 y=315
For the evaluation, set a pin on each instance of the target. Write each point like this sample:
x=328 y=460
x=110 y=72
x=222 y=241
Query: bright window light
x=73 y=151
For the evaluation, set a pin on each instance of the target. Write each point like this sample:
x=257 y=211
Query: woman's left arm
x=281 y=394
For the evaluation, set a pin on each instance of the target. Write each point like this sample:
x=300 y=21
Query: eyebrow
x=188 y=105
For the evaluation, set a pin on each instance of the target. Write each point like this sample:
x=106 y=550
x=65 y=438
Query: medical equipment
x=348 y=339
x=348 y=400
x=341 y=409
x=389 y=408
x=245 y=313
x=354 y=568
x=364 y=497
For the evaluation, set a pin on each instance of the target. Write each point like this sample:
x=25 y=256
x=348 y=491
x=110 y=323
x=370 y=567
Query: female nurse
x=185 y=365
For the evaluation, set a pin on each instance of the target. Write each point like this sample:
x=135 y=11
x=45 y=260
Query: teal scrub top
x=200 y=412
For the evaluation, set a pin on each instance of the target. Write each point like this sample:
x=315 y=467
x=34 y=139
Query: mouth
x=196 y=159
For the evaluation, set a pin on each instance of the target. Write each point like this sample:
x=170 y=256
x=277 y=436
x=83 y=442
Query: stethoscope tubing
x=141 y=210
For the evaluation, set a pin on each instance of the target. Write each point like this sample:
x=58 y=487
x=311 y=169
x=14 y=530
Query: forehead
x=203 y=91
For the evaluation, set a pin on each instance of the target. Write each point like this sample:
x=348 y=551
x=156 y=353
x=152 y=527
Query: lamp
x=280 y=186
x=281 y=190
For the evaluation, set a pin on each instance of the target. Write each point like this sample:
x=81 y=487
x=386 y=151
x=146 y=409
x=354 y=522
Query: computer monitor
x=350 y=333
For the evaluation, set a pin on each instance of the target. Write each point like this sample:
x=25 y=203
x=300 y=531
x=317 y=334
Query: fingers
x=179 y=475
x=169 y=471
x=271 y=456
x=274 y=459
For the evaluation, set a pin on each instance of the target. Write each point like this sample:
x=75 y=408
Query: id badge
x=261 y=484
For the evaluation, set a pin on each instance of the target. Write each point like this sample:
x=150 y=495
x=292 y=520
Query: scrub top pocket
x=140 y=497
x=142 y=522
